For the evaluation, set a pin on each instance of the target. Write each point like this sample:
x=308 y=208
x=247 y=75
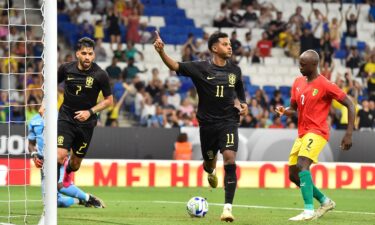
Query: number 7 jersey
x=313 y=100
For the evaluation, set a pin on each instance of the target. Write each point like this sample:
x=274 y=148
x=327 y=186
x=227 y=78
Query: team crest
x=89 y=82
x=315 y=92
x=60 y=140
x=232 y=79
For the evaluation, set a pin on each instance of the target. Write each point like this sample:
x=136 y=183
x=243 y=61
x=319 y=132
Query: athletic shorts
x=218 y=137
x=310 y=146
x=70 y=136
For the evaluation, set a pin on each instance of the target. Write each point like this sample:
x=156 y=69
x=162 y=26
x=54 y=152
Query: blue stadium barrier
x=269 y=89
x=285 y=90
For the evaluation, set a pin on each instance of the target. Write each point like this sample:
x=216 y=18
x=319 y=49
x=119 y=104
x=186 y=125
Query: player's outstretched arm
x=159 y=47
x=34 y=154
x=288 y=111
x=346 y=142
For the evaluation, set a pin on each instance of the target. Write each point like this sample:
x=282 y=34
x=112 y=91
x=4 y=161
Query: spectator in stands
x=187 y=55
x=307 y=40
x=335 y=31
x=298 y=17
x=114 y=27
x=255 y=59
x=201 y=45
x=272 y=34
x=264 y=18
x=371 y=13
x=132 y=23
x=326 y=48
x=351 y=27
x=114 y=71
x=370 y=66
x=191 y=45
x=131 y=51
x=186 y=107
x=264 y=45
x=293 y=45
x=326 y=69
x=277 y=100
x=248 y=121
x=4 y=30
x=86 y=29
x=193 y=97
x=236 y=45
x=236 y=19
x=183 y=149
x=155 y=86
x=221 y=17
x=71 y=7
x=353 y=60
x=365 y=117
x=99 y=30
x=139 y=99
x=370 y=71
x=280 y=25
x=4 y=110
x=148 y=112
x=255 y=109
x=174 y=98
x=248 y=47
x=144 y=35
x=137 y=4
x=84 y=10
x=276 y=123
x=250 y=17
x=113 y=112
x=16 y=18
x=102 y=6
x=261 y=98
x=131 y=71
x=316 y=21
x=100 y=53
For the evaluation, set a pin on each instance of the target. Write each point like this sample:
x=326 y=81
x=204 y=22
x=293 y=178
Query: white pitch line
x=252 y=206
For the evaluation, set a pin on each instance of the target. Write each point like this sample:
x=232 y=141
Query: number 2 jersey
x=314 y=101
x=82 y=88
x=217 y=87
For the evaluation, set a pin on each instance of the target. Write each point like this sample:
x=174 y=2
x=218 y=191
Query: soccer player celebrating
x=221 y=102
x=84 y=79
x=74 y=195
x=311 y=96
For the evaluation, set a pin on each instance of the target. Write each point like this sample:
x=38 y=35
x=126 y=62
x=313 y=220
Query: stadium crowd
x=143 y=98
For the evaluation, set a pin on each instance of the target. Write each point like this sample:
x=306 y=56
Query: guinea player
x=84 y=80
x=311 y=97
x=221 y=102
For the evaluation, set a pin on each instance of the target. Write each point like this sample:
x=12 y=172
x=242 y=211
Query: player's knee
x=293 y=178
x=61 y=155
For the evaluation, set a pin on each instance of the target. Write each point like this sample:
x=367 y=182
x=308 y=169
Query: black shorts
x=77 y=138
x=218 y=137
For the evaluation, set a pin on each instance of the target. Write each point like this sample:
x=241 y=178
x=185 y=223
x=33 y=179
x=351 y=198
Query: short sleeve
x=104 y=84
x=334 y=92
x=188 y=69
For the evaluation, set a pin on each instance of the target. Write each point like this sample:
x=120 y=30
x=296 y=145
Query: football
x=197 y=207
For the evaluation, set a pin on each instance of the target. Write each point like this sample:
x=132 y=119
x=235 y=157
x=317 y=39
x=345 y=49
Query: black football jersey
x=217 y=87
x=82 y=88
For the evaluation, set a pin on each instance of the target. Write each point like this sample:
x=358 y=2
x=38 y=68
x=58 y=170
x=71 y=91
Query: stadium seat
x=361 y=45
x=340 y=54
x=285 y=90
x=269 y=90
x=253 y=89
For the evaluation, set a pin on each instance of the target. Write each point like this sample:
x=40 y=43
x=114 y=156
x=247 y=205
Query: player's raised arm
x=159 y=47
x=346 y=142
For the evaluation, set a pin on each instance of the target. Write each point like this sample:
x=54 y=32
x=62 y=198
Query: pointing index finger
x=157 y=34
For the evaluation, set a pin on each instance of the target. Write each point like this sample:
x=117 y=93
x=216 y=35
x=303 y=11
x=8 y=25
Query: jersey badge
x=315 y=92
x=232 y=79
x=60 y=140
x=89 y=82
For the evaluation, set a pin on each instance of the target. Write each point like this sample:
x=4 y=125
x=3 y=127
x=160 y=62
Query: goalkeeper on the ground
x=66 y=196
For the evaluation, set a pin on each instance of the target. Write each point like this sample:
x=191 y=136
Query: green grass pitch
x=166 y=206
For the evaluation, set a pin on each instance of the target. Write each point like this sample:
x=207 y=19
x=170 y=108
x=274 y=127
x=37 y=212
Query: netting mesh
x=21 y=93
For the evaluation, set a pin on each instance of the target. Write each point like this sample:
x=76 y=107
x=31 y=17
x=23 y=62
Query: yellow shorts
x=310 y=146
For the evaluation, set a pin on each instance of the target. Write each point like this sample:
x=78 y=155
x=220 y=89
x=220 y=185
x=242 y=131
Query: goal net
x=22 y=89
